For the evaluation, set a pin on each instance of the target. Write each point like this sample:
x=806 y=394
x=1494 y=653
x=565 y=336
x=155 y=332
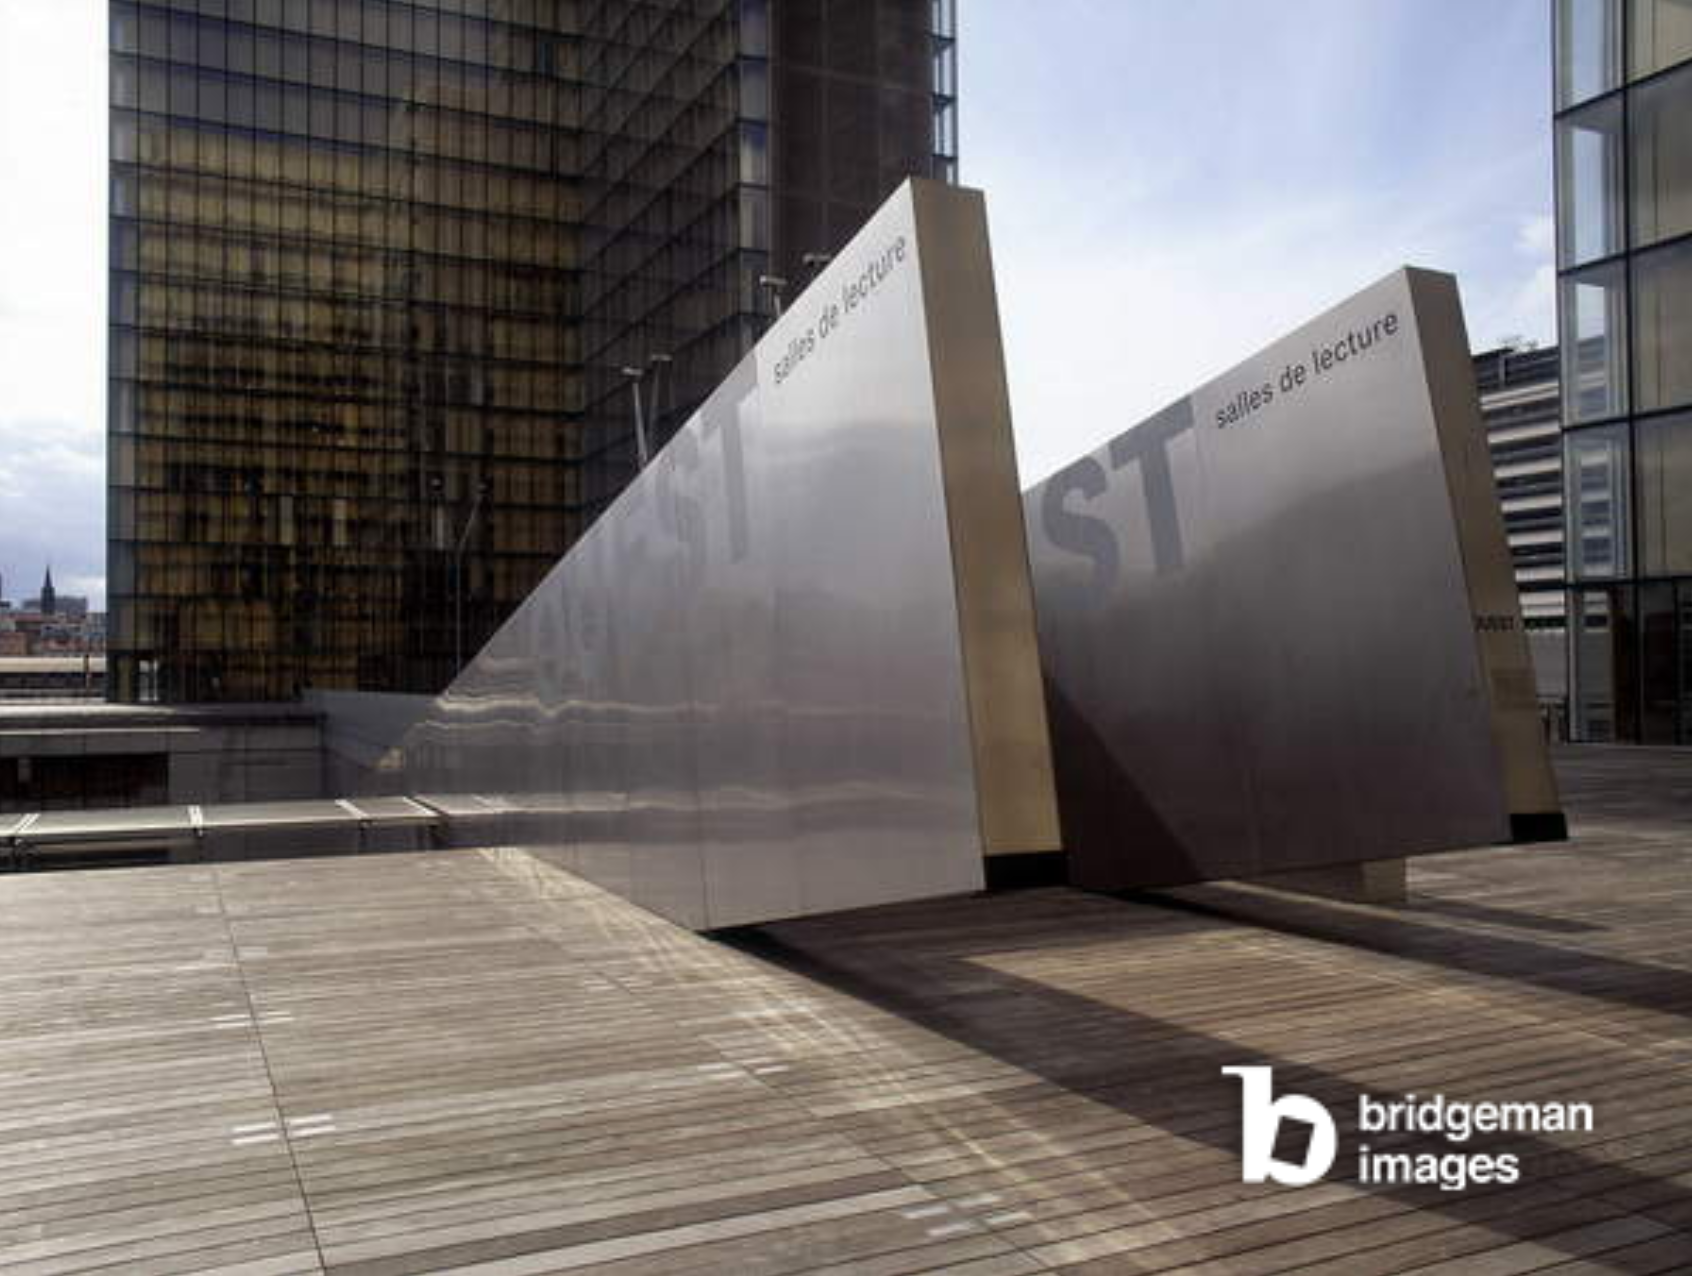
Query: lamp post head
x=634 y=374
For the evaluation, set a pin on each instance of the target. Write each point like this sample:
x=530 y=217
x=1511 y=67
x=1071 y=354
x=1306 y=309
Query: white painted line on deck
x=951 y=1229
x=926 y=1211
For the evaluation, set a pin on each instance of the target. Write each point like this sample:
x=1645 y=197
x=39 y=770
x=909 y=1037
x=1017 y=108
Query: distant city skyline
x=1170 y=188
x=14 y=590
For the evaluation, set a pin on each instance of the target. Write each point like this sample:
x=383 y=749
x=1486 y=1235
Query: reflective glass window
x=126 y=86
x=1606 y=665
x=1593 y=324
x=267 y=55
x=183 y=43
x=126 y=29
x=1665 y=495
x=1660 y=130
x=1597 y=479
x=946 y=128
x=155 y=88
x=1589 y=183
x=1661 y=35
x=1588 y=49
x=124 y=137
x=755 y=27
x=946 y=70
x=754 y=90
x=1662 y=327
x=1659 y=672
x=755 y=154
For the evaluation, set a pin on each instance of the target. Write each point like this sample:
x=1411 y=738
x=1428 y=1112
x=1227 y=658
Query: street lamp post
x=775 y=285
x=642 y=456
x=660 y=364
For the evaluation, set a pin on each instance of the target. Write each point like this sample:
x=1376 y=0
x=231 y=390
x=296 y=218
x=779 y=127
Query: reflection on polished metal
x=1277 y=619
x=793 y=668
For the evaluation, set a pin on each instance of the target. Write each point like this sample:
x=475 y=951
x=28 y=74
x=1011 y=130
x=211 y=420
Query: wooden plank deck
x=471 y=1062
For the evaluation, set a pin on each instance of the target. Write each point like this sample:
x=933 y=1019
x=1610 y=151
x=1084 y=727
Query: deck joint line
x=269 y=1073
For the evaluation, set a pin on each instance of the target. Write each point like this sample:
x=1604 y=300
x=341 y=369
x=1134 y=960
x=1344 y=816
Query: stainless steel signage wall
x=1277 y=620
x=793 y=668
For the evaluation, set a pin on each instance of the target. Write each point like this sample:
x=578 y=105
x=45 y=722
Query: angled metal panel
x=747 y=692
x=1258 y=633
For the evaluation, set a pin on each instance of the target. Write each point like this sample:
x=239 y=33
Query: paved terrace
x=470 y=1062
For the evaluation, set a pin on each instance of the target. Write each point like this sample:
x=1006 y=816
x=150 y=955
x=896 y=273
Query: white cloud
x=52 y=294
x=1099 y=336
x=1537 y=236
x=52 y=492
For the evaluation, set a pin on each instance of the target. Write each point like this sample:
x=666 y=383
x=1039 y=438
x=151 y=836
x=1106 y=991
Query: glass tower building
x=381 y=271
x=1521 y=412
x=1623 y=85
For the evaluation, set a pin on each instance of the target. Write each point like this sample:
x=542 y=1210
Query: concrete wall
x=213 y=754
x=360 y=730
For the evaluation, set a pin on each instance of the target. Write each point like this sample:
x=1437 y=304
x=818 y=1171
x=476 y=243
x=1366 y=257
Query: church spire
x=49 y=598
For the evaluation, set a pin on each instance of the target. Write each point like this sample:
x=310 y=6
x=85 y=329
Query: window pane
x=754 y=219
x=1659 y=691
x=755 y=27
x=124 y=134
x=1588 y=49
x=1589 y=182
x=1596 y=475
x=755 y=154
x=126 y=29
x=944 y=17
x=754 y=90
x=946 y=129
x=946 y=70
x=1606 y=671
x=1661 y=131
x=1662 y=34
x=1593 y=324
x=1665 y=496
x=1662 y=365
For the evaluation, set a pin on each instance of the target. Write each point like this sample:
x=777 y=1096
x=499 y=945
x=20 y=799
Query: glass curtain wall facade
x=377 y=269
x=1521 y=410
x=1623 y=85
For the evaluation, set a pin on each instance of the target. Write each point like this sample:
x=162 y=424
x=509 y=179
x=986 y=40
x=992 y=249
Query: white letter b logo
x=1260 y=1122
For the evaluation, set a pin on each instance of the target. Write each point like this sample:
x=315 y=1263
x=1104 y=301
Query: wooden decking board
x=472 y=1061
x=1665 y=1254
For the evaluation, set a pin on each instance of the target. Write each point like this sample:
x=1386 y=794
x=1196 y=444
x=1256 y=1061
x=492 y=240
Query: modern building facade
x=1521 y=409
x=1623 y=86
x=382 y=273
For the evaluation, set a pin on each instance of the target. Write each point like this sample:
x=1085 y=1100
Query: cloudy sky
x=52 y=294
x=1171 y=185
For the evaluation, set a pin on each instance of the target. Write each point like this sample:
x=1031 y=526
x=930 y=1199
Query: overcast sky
x=1171 y=185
